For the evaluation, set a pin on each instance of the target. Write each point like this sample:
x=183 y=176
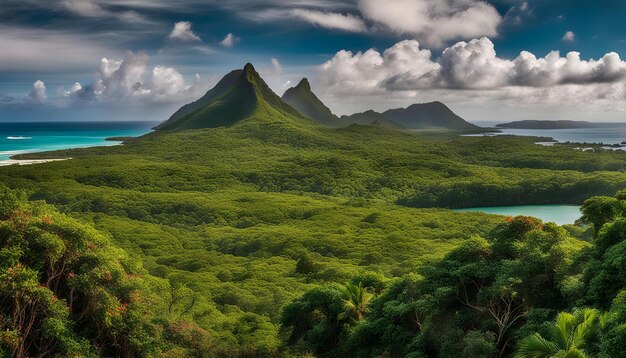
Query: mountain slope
x=371 y=118
x=240 y=95
x=307 y=103
x=224 y=84
x=428 y=115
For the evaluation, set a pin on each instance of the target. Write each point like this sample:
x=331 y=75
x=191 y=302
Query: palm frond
x=535 y=346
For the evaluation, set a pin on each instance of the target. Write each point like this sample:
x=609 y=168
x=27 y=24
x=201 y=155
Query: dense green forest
x=241 y=226
x=274 y=236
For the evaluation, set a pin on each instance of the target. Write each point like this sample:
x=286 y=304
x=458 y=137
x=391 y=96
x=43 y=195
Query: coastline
x=8 y=162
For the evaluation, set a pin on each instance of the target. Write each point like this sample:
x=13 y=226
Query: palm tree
x=356 y=298
x=569 y=336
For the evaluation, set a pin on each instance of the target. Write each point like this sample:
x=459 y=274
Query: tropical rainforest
x=244 y=228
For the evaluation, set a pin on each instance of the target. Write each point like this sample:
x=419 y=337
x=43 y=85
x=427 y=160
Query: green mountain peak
x=302 y=98
x=304 y=84
x=240 y=95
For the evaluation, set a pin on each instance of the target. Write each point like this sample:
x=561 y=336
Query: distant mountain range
x=536 y=124
x=417 y=116
x=243 y=94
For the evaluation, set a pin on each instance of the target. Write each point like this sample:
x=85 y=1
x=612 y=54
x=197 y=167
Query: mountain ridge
x=304 y=100
x=240 y=95
x=428 y=115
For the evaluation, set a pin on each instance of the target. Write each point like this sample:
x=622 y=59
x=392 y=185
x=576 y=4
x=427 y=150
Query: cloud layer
x=331 y=20
x=434 y=22
x=465 y=65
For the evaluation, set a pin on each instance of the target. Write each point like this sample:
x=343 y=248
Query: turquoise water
x=28 y=137
x=560 y=214
x=607 y=133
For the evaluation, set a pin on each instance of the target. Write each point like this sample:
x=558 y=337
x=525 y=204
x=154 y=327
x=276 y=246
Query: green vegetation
x=490 y=297
x=273 y=235
x=67 y=291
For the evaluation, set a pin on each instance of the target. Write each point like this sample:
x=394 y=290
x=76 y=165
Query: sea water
x=607 y=133
x=29 y=137
x=559 y=214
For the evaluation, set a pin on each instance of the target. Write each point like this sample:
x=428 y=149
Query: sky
x=496 y=60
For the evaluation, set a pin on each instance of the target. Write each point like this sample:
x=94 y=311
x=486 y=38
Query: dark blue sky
x=63 y=42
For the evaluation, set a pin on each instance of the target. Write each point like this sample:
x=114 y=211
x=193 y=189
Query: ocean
x=607 y=133
x=28 y=137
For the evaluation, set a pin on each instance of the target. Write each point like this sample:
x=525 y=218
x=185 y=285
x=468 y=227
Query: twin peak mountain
x=242 y=95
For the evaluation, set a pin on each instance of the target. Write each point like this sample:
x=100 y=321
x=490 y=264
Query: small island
x=118 y=139
x=546 y=124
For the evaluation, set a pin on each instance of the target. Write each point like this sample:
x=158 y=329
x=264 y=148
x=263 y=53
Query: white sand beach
x=4 y=163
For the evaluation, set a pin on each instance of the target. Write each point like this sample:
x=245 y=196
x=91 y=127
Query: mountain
x=302 y=98
x=535 y=124
x=371 y=118
x=428 y=115
x=240 y=95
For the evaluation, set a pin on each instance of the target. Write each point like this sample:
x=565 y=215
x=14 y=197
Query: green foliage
x=313 y=322
x=572 y=335
x=232 y=224
x=599 y=211
x=65 y=289
x=356 y=300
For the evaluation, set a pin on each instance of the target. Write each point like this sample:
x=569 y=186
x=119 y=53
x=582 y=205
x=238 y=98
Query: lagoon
x=560 y=214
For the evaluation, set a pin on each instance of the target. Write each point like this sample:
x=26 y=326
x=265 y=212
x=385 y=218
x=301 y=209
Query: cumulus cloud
x=368 y=72
x=331 y=20
x=569 y=36
x=129 y=80
x=182 y=32
x=230 y=40
x=473 y=65
x=434 y=22
x=38 y=94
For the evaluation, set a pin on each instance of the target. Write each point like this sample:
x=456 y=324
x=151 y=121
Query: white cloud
x=84 y=8
x=182 y=32
x=129 y=80
x=278 y=68
x=366 y=72
x=76 y=87
x=434 y=22
x=331 y=20
x=473 y=70
x=92 y=8
x=230 y=40
x=38 y=94
x=569 y=36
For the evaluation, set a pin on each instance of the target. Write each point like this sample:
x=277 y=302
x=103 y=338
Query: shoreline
x=8 y=162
